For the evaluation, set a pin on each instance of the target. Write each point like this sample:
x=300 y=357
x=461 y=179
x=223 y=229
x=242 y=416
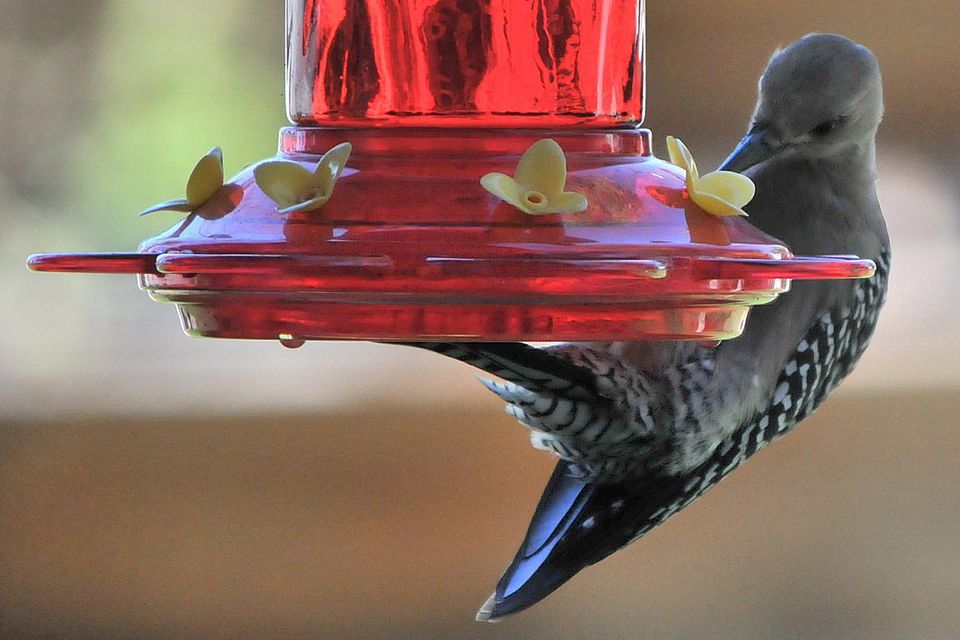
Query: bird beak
x=752 y=150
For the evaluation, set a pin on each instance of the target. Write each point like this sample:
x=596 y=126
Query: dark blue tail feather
x=535 y=572
x=578 y=523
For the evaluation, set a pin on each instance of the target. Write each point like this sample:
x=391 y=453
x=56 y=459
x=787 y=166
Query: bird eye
x=828 y=127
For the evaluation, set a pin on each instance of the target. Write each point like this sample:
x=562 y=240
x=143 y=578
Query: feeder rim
x=825 y=267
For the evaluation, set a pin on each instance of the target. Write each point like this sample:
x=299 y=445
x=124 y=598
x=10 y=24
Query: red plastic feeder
x=411 y=247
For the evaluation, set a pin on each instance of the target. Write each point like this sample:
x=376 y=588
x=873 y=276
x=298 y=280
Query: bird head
x=819 y=97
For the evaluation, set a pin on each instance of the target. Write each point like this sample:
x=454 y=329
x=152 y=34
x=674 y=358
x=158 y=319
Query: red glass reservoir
x=432 y=95
x=465 y=63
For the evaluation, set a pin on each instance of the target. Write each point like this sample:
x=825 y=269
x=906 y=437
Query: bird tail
x=537 y=570
x=578 y=523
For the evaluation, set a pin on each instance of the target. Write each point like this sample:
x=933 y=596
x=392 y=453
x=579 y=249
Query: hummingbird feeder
x=462 y=170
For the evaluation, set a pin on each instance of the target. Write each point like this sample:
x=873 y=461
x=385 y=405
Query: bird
x=642 y=429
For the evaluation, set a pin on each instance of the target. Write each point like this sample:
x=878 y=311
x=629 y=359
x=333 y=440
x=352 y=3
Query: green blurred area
x=193 y=80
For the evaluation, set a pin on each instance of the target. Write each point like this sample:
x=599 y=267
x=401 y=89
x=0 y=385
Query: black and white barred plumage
x=621 y=421
x=828 y=352
x=643 y=430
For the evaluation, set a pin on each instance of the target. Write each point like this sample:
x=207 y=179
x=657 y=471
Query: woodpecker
x=643 y=429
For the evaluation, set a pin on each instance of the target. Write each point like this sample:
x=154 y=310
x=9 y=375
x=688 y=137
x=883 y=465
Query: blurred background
x=153 y=485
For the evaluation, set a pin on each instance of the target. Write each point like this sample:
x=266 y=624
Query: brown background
x=155 y=486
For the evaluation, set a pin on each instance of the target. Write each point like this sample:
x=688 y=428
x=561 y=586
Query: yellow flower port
x=204 y=183
x=537 y=185
x=719 y=193
x=295 y=188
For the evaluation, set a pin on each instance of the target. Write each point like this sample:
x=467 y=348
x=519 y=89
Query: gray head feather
x=819 y=97
x=821 y=92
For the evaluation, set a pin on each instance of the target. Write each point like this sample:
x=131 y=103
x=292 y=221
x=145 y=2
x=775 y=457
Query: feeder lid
x=408 y=245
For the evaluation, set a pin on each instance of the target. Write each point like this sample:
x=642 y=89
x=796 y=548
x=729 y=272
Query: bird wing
x=565 y=395
x=532 y=368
